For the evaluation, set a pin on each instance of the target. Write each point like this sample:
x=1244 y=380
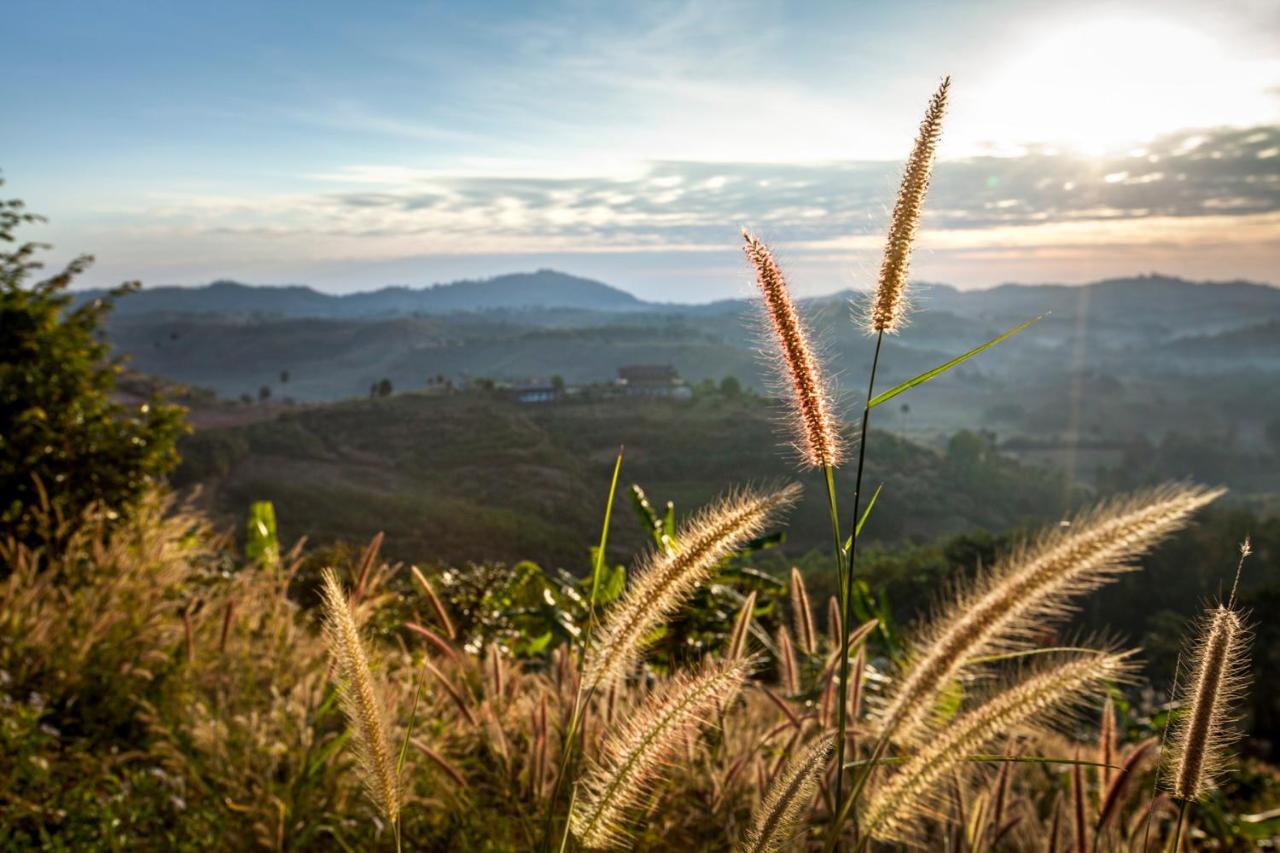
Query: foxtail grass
x=1107 y=742
x=893 y=811
x=886 y=315
x=887 y=311
x=816 y=430
x=802 y=614
x=777 y=818
x=788 y=666
x=359 y=697
x=667 y=578
x=1201 y=740
x=737 y=644
x=635 y=755
x=1035 y=585
x=437 y=606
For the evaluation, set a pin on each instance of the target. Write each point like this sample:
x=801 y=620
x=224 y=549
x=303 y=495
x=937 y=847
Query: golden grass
x=667 y=578
x=887 y=311
x=1035 y=585
x=633 y=757
x=360 y=698
x=816 y=430
x=894 y=809
x=1201 y=739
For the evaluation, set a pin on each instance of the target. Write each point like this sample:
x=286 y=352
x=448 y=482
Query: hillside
x=474 y=476
x=1121 y=383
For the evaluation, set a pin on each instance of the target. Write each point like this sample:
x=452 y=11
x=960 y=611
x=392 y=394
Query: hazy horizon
x=746 y=292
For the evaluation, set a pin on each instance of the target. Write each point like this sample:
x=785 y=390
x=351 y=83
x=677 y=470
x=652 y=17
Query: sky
x=353 y=145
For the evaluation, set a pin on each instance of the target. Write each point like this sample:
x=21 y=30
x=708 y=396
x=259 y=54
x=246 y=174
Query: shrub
x=63 y=442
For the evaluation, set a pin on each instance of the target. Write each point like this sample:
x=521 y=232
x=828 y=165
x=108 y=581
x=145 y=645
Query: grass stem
x=846 y=595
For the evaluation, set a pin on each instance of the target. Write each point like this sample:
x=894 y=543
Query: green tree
x=60 y=432
x=731 y=387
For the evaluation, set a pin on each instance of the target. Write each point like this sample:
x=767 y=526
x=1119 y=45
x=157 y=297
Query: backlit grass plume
x=668 y=578
x=736 y=646
x=1201 y=739
x=816 y=430
x=888 y=307
x=894 y=809
x=635 y=754
x=1035 y=585
x=802 y=614
x=776 y=819
x=360 y=701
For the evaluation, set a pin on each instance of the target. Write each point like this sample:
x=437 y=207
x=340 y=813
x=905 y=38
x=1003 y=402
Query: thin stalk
x=847 y=596
x=829 y=477
x=1177 y=831
x=579 y=700
x=1164 y=737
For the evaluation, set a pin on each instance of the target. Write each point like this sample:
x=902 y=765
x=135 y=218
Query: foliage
x=63 y=442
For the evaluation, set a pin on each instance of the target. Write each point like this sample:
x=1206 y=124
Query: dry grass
x=239 y=710
x=1036 y=585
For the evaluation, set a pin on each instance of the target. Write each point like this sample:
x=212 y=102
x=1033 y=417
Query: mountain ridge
x=551 y=289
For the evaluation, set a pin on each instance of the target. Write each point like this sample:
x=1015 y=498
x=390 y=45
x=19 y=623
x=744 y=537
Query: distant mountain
x=1155 y=302
x=541 y=289
x=1151 y=301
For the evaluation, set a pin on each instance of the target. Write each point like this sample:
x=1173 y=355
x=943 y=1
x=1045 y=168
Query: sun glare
x=1105 y=83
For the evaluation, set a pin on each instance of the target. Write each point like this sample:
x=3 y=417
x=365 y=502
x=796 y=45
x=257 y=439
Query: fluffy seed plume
x=359 y=699
x=1107 y=742
x=442 y=615
x=775 y=821
x=817 y=434
x=788 y=667
x=1202 y=738
x=737 y=644
x=634 y=755
x=894 y=808
x=1033 y=586
x=888 y=308
x=667 y=579
x=802 y=614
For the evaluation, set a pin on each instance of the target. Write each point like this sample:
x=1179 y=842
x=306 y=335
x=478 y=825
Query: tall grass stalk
x=570 y=740
x=892 y=813
x=361 y=702
x=887 y=313
x=636 y=752
x=776 y=819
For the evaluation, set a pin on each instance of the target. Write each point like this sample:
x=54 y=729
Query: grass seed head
x=888 y=309
x=817 y=433
x=360 y=699
x=1006 y=608
x=636 y=752
x=1202 y=737
x=667 y=578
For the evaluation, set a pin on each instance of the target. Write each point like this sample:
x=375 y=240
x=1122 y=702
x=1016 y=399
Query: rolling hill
x=475 y=476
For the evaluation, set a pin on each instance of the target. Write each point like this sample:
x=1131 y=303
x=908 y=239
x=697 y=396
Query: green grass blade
x=848 y=543
x=413 y=718
x=943 y=368
x=604 y=532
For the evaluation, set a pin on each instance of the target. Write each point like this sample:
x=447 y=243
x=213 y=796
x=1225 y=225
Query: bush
x=63 y=443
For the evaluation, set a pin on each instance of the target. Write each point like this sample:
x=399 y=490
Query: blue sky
x=354 y=145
